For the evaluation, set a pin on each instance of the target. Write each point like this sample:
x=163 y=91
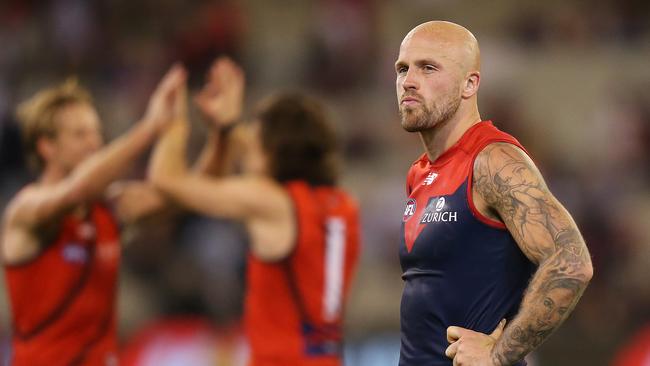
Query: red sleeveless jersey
x=63 y=302
x=294 y=307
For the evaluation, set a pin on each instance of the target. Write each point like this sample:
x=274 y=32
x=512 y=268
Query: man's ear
x=472 y=82
x=45 y=148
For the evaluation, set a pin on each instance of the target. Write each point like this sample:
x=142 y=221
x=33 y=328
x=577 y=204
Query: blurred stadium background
x=570 y=79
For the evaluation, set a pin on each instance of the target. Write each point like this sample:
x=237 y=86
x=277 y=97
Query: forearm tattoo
x=509 y=182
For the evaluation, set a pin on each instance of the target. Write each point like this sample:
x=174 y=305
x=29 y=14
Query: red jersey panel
x=294 y=307
x=63 y=302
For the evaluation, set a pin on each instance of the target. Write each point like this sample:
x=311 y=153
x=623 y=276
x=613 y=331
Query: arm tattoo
x=511 y=185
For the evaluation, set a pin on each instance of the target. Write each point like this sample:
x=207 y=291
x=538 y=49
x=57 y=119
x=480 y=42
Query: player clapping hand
x=221 y=99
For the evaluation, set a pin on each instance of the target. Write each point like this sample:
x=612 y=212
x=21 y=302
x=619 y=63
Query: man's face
x=428 y=82
x=78 y=135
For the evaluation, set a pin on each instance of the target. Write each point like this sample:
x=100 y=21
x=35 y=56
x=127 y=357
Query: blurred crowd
x=569 y=79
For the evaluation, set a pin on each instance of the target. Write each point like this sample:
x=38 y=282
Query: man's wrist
x=494 y=357
x=225 y=130
x=147 y=127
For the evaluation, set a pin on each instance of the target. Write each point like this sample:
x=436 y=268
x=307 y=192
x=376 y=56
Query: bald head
x=458 y=43
x=437 y=76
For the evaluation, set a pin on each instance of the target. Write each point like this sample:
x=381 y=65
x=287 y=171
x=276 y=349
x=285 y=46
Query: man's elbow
x=587 y=272
x=582 y=272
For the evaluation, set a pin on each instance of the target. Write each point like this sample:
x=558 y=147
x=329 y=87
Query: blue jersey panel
x=460 y=272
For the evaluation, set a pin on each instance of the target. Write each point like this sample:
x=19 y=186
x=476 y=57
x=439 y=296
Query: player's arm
x=219 y=197
x=93 y=175
x=510 y=183
x=221 y=103
x=135 y=200
x=231 y=197
x=258 y=201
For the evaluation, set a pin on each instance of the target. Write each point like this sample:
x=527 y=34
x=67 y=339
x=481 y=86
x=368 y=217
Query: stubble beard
x=424 y=117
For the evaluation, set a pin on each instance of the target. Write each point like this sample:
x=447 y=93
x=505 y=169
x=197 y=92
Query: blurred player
x=635 y=351
x=60 y=243
x=303 y=229
x=483 y=239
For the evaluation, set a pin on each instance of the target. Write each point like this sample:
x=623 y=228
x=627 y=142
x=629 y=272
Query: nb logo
x=430 y=178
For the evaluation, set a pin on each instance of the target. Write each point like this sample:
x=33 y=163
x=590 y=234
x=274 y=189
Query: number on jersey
x=334 y=268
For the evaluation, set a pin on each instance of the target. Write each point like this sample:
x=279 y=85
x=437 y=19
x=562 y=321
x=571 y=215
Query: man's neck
x=52 y=174
x=445 y=134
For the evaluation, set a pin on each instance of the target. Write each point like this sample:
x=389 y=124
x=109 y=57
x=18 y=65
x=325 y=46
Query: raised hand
x=162 y=105
x=179 y=111
x=222 y=96
x=470 y=348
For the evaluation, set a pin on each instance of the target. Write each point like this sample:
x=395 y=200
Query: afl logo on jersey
x=409 y=211
x=75 y=253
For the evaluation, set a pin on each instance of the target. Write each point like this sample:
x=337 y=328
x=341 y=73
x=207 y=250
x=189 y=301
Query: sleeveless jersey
x=294 y=307
x=459 y=267
x=63 y=301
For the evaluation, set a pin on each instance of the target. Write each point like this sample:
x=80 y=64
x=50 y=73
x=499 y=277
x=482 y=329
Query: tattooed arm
x=508 y=185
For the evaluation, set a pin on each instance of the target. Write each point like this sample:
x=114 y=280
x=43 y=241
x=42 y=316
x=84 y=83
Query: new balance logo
x=430 y=178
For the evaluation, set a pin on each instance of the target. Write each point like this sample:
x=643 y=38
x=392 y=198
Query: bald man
x=492 y=262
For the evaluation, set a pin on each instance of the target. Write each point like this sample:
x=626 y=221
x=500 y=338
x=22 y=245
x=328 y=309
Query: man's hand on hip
x=470 y=348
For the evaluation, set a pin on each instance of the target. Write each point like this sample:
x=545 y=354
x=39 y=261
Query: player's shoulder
x=27 y=191
x=485 y=132
x=17 y=240
x=346 y=200
x=265 y=194
x=492 y=143
x=501 y=152
x=418 y=165
x=19 y=199
x=503 y=162
x=333 y=198
x=420 y=159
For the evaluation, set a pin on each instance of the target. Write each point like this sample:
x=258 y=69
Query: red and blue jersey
x=63 y=301
x=459 y=267
x=294 y=307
